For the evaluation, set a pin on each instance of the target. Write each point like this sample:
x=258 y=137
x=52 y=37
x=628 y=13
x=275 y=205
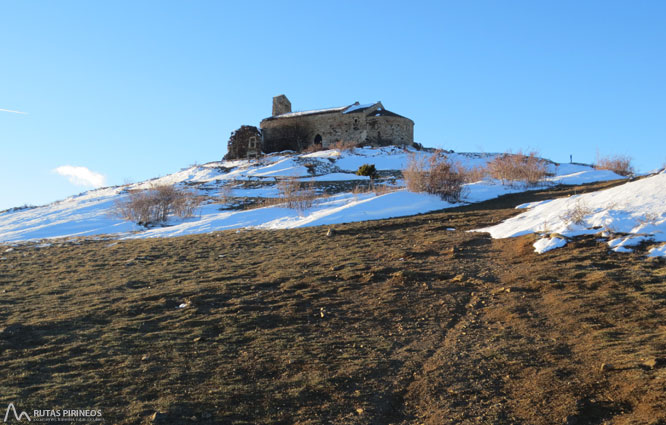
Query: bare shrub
x=372 y=187
x=437 y=175
x=576 y=214
x=360 y=189
x=619 y=164
x=315 y=147
x=225 y=193
x=415 y=173
x=545 y=228
x=382 y=189
x=511 y=168
x=135 y=208
x=148 y=207
x=475 y=174
x=296 y=194
x=648 y=219
x=343 y=145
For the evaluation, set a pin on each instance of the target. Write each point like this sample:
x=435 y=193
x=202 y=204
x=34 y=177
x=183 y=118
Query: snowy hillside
x=625 y=215
x=92 y=213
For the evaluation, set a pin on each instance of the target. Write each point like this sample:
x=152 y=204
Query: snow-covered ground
x=92 y=213
x=625 y=216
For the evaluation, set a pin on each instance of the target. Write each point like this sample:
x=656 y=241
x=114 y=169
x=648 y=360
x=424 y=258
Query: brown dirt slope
x=394 y=321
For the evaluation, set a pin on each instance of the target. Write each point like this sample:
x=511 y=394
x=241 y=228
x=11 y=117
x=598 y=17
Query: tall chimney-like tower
x=281 y=105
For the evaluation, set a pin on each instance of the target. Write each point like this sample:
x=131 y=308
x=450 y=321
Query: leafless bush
x=225 y=193
x=437 y=175
x=416 y=173
x=475 y=174
x=545 y=228
x=296 y=194
x=343 y=145
x=619 y=164
x=315 y=147
x=512 y=168
x=576 y=214
x=648 y=219
x=382 y=189
x=372 y=187
x=148 y=207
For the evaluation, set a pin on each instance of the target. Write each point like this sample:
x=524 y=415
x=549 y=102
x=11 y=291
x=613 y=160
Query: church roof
x=312 y=112
x=354 y=108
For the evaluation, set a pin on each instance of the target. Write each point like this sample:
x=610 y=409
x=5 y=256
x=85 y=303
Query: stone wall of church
x=296 y=133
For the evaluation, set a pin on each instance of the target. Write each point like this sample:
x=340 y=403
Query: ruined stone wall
x=335 y=127
x=389 y=130
x=286 y=134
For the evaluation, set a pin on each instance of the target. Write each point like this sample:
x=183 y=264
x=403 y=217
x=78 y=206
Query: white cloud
x=13 y=112
x=81 y=176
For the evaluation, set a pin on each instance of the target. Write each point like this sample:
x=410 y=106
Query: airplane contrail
x=13 y=112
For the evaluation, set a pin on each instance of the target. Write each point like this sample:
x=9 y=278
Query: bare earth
x=386 y=322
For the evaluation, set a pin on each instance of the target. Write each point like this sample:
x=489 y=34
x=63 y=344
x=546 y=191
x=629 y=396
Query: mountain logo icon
x=18 y=416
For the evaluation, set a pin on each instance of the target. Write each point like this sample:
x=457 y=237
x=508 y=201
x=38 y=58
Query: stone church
x=356 y=123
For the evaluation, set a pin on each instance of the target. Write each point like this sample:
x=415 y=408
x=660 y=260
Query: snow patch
x=659 y=251
x=637 y=209
x=357 y=107
x=546 y=244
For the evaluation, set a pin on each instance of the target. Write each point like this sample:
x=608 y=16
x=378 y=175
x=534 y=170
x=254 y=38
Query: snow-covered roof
x=357 y=107
x=312 y=112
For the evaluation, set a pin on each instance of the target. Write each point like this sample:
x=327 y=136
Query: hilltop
x=233 y=191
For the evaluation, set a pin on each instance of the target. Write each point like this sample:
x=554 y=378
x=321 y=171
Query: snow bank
x=342 y=208
x=636 y=209
x=82 y=215
x=546 y=244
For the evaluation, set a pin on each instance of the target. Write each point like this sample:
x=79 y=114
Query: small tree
x=368 y=170
x=237 y=144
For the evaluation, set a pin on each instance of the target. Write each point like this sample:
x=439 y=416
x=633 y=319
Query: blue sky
x=132 y=90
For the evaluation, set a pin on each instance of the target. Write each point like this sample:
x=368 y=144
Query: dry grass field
x=398 y=321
